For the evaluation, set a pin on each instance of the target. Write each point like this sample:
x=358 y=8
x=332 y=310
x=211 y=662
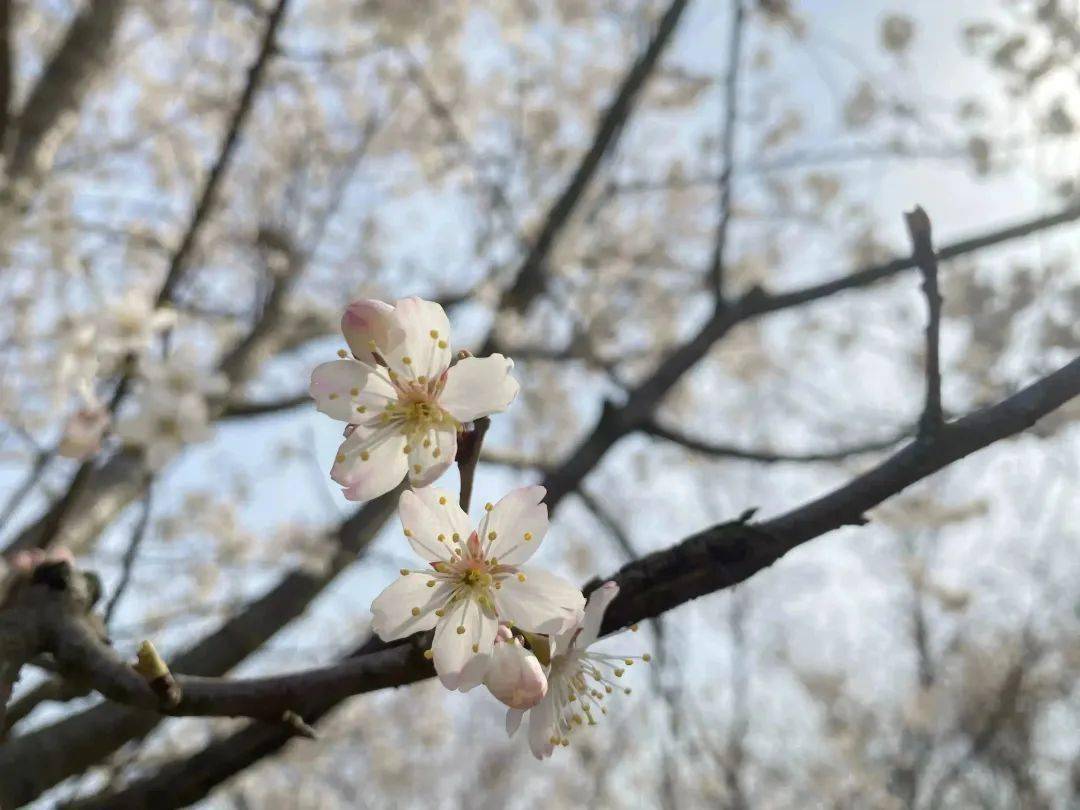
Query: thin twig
x=530 y=280
x=720 y=450
x=727 y=148
x=469 y=444
x=918 y=224
x=138 y=534
x=256 y=73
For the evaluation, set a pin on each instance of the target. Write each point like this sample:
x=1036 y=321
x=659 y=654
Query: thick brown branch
x=922 y=253
x=714 y=559
x=64 y=82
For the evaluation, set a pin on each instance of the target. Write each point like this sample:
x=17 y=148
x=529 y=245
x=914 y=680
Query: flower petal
x=539 y=602
x=594 y=613
x=462 y=658
x=478 y=386
x=513 y=721
x=519 y=522
x=392 y=610
x=542 y=727
x=370 y=462
x=369 y=320
x=426 y=514
x=431 y=454
x=350 y=391
x=423 y=347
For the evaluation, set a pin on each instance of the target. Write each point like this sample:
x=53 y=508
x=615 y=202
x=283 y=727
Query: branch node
x=295 y=723
x=152 y=667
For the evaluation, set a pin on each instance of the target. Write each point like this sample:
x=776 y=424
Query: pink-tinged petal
x=542 y=727
x=350 y=391
x=594 y=613
x=462 y=658
x=539 y=602
x=431 y=454
x=366 y=321
x=519 y=522
x=393 y=613
x=428 y=515
x=478 y=386
x=513 y=721
x=370 y=463
x=515 y=676
x=424 y=347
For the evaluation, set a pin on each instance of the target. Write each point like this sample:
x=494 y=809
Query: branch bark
x=719 y=450
x=922 y=253
x=727 y=147
x=714 y=559
x=63 y=84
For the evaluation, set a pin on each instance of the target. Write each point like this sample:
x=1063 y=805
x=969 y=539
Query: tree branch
x=256 y=73
x=716 y=558
x=63 y=83
x=138 y=534
x=243 y=409
x=7 y=71
x=719 y=450
x=468 y=455
x=530 y=280
x=922 y=252
x=727 y=148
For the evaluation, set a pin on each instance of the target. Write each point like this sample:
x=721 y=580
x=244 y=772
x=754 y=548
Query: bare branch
x=727 y=147
x=922 y=252
x=468 y=455
x=240 y=410
x=714 y=559
x=7 y=70
x=256 y=74
x=530 y=279
x=64 y=82
x=719 y=450
x=138 y=534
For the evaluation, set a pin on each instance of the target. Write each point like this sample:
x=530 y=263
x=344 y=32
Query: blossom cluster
x=171 y=407
x=521 y=632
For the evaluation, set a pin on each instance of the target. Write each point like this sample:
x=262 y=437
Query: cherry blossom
x=131 y=323
x=578 y=680
x=401 y=397
x=476 y=580
x=84 y=430
x=164 y=424
x=515 y=676
x=181 y=373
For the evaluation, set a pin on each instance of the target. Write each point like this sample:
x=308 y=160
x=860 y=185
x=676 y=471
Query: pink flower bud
x=515 y=676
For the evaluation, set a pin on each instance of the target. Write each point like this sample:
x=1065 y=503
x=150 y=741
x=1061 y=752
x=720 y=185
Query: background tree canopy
x=684 y=221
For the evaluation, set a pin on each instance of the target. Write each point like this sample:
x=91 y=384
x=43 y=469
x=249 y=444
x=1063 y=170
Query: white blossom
x=131 y=322
x=578 y=680
x=475 y=581
x=164 y=424
x=404 y=400
x=84 y=430
x=182 y=374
